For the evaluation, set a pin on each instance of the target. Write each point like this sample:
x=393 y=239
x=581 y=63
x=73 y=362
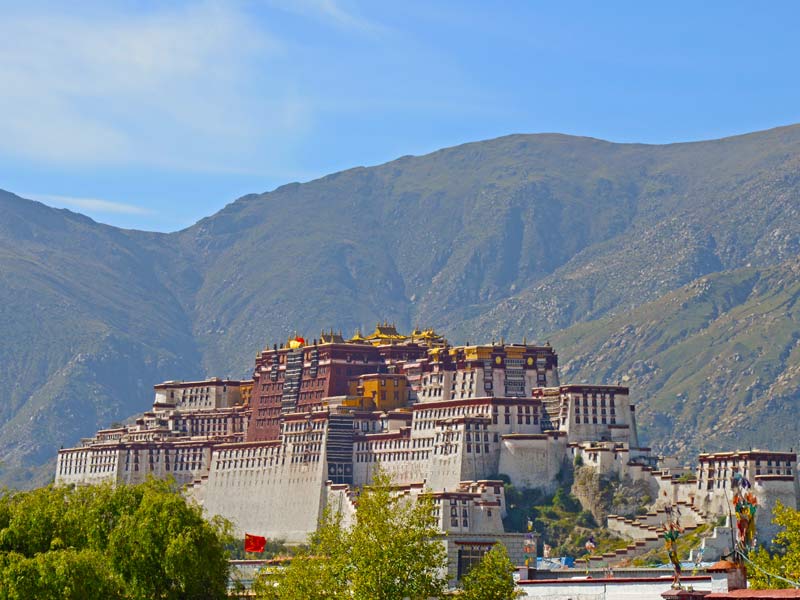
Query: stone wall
x=533 y=461
x=269 y=492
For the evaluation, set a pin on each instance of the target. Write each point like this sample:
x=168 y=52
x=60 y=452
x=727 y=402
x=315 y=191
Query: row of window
x=478 y=448
x=723 y=477
x=367 y=457
x=477 y=437
x=253 y=452
x=394 y=444
x=303 y=426
x=603 y=420
x=612 y=410
x=743 y=463
x=594 y=399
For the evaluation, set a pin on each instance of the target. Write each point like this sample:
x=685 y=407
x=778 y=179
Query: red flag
x=254 y=543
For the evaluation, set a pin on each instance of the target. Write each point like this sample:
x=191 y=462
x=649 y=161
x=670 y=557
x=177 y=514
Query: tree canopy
x=391 y=551
x=133 y=542
x=784 y=558
x=492 y=578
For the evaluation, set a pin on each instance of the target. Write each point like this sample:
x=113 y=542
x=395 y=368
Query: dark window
x=468 y=557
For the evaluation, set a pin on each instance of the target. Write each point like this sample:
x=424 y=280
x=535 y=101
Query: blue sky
x=154 y=114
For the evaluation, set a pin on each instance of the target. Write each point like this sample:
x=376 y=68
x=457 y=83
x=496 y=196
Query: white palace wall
x=769 y=493
x=533 y=460
x=265 y=489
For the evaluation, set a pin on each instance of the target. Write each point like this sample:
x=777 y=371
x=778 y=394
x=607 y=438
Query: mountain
x=577 y=239
x=87 y=325
x=714 y=364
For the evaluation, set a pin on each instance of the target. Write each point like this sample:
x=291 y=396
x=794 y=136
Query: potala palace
x=319 y=416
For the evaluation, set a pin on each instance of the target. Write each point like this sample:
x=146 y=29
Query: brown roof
x=722 y=565
x=755 y=594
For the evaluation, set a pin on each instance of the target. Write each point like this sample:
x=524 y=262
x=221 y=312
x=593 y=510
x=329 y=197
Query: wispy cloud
x=95 y=205
x=333 y=12
x=160 y=86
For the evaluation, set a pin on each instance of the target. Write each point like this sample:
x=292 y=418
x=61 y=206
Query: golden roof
x=330 y=337
x=386 y=332
x=357 y=337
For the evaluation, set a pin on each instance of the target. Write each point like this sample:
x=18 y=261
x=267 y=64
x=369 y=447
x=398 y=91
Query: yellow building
x=246 y=391
x=380 y=391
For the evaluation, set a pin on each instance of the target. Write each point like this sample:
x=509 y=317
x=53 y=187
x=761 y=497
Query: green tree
x=106 y=542
x=34 y=519
x=784 y=558
x=391 y=551
x=59 y=575
x=321 y=575
x=492 y=578
x=393 y=545
x=566 y=501
x=306 y=578
x=165 y=549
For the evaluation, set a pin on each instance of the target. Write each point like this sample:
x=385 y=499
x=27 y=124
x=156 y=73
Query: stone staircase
x=344 y=499
x=646 y=532
x=716 y=545
x=621 y=556
x=650 y=524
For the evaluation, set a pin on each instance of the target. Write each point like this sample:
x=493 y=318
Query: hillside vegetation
x=672 y=268
x=714 y=364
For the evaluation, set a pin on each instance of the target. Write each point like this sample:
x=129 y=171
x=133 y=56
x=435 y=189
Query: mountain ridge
x=531 y=235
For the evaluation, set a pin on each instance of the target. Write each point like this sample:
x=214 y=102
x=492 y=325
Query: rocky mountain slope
x=86 y=325
x=587 y=242
x=714 y=364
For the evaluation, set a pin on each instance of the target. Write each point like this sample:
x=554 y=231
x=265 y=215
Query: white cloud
x=169 y=87
x=96 y=205
x=330 y=11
